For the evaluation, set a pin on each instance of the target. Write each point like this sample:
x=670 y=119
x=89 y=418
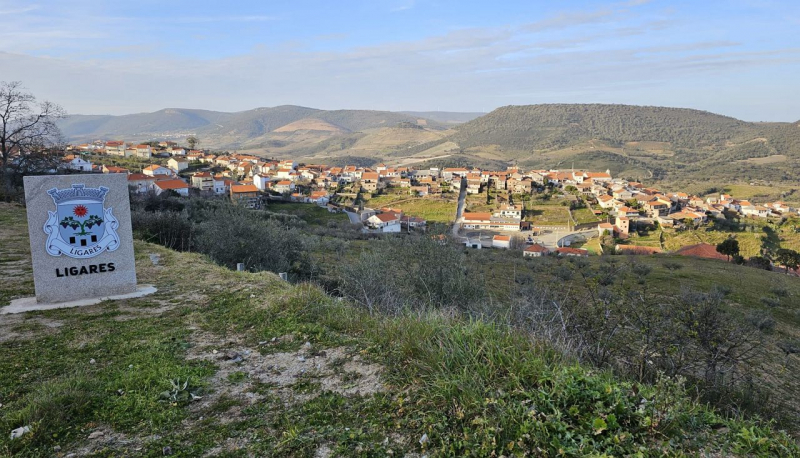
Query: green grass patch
x=310 y=213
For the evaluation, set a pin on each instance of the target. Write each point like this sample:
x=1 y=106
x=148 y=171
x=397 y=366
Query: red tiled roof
x=243 y=188
x=477 y=216
x=171 y=184
x=633 y=249
x=386 y=217
x=536 y=248
x=139 y=177
x=702 y=250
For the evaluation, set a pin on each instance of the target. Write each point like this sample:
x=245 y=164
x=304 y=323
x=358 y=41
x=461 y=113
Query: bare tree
x=28 y=133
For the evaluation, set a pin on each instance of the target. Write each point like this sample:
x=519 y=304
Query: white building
x=385 y=222
x=77 y=163
x=178 y=164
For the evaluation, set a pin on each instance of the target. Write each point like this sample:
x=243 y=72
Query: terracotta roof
x=114 y=169
x=633 y=249
x=386 y=217
x=536 y=248
x=243 y=188
x=171 y=184
x=139 y=177
x=477 y=216
x=502 y=238
x=702 y=250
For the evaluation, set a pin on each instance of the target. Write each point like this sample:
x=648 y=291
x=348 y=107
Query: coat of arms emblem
x=81 y=227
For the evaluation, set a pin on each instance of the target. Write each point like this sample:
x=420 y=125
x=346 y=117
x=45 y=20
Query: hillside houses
x=622 y=203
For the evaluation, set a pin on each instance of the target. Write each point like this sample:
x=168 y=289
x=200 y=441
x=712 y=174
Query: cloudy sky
x=735 y=57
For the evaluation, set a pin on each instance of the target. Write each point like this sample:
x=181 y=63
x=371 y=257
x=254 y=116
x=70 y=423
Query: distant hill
x=548 y=126
x=640 y=141
x=445 y=117
x=310 y=124
x=674 y=144
x=221 y=129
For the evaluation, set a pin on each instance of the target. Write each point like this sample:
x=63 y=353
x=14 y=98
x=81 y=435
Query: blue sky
x=736 y=57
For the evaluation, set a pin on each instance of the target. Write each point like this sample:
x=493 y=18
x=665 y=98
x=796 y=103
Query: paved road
x=354 y=218
x=462 y=198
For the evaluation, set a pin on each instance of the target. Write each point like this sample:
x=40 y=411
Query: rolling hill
x=446 y=117
x=673 y=144
x=227 y=130
x=677 y=145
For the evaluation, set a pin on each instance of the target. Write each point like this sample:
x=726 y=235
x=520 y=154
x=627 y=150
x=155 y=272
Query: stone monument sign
x=80 y=233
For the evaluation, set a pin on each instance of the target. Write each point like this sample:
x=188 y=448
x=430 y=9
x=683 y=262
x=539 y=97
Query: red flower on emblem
x=80 y=211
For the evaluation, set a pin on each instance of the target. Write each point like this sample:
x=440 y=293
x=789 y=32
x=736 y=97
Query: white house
x=77 y=163
x=179 y=186
x=385 y=222
x=283 y=186
x=261 y=180
x=501 y=241
x=154 y=170
x=535 y=251
x=509 y=211
x=178 y=164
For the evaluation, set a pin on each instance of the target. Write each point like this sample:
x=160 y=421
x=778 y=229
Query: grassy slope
x=472 y=388
x=751 y=291
x=750 y=242
x=312 y=213
x=431 y=209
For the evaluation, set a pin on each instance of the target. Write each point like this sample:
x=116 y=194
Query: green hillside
x=549 y=126
x=676 y=145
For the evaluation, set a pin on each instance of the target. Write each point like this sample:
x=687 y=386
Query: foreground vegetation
x=449 y=386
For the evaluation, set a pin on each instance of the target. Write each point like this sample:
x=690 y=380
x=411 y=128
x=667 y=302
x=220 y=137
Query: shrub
x=762 y=320
x=770 y=301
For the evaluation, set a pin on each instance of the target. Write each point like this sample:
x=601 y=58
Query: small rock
x=57 y=448
x=214 y=352
x=423 y=440
x=252 y=296
x=71 y=455
x=307 y=344
x=167 y=451
x=301 y=359
x=92 y=361
x=96 y=435
x=130 y=366
x=273 y=339
x=263 y=342
x=233 y=355
x=121 y=392
x=19 y=432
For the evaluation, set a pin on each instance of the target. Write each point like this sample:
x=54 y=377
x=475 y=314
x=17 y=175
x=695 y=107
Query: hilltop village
x=512 y=208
